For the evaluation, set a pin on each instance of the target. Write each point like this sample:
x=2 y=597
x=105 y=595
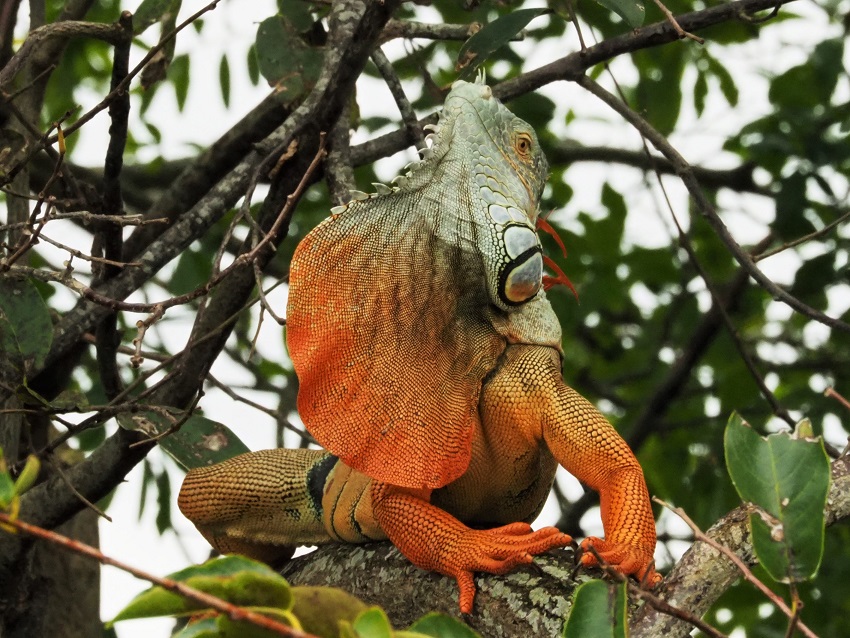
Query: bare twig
x=258 y=276
x=685 y=242
x=830 y=392
x=142 y=326
x=802 y=240
x=731 y=330
x=122 y=86
x=654 y=601
x=114 y=304
x=574 y=19
x=81 y=255
x=58 y=468
x=111 y=33
x=176 y=423
x=275 y=414
x=672 y=20
x=746 y=572
x=204 y=599
x=86 y=217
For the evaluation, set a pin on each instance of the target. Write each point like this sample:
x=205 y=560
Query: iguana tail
x=264 y=504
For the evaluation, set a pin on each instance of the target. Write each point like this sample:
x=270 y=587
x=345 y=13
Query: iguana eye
x=523 y=144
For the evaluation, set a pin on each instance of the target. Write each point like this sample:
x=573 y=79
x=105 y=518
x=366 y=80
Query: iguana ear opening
x=387 y=330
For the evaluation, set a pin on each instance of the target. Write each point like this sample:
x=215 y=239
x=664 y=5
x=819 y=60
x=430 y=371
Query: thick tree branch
x=63 y=31
x=532 y=600
x=574 y=65
x=109 y=238
x=355 y=28
x=739 y=179
x=205 y=171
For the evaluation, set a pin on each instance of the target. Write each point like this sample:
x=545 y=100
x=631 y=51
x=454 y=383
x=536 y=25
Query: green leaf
x=194 y=267
x=243 y=629
x=321 y=609
x=632 y=11
x=492 y=37
x=727 y=84
x=204 y=628
x=224 y=79
x=253 y=65
x=284 y=59
x=700 y=91
x=199 y=441
x=442 y=626
x=163 y=501
x=297 y=12
x=659 y=90
x=237 y=579
x=178 y=72
x=608 y=231
x=791 y=203
x=373 y=623
x=787 y=478
x=26 y=479
x=26 y=330
x=147 y=480
x=814 y=277
x=153 y=11
x=812 y=83
x=599 y=611
x=7 y=485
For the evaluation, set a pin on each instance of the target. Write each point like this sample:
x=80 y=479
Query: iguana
x=429 y=362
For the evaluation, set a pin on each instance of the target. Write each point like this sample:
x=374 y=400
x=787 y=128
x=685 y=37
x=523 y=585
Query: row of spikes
x=399 y=182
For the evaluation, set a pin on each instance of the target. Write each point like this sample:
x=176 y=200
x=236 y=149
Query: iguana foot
x=627 y=559
x=495 y=551
x=433 y=539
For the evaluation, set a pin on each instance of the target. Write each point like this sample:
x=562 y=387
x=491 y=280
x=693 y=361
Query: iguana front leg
x=435 y=540
x=528 y=395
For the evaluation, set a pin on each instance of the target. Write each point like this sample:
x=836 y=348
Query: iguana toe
x=628 y=559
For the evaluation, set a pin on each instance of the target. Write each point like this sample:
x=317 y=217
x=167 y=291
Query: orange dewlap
x=390 y=357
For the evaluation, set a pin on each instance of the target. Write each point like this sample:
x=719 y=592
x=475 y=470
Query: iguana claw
x=627 y=559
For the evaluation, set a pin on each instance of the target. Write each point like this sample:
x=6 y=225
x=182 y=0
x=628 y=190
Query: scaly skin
x=429 y=363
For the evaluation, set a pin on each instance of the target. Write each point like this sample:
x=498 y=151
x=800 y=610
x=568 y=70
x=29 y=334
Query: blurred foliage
x=324 y=612
x=773 y=99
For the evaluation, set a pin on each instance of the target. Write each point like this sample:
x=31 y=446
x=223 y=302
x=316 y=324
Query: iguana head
x=503 y=151
x=505 y=168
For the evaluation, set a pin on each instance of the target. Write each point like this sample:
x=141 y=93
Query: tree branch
x=572 y=66
x=703 y=573
x=111 y=33
x=739 y=179
x=705 y=207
